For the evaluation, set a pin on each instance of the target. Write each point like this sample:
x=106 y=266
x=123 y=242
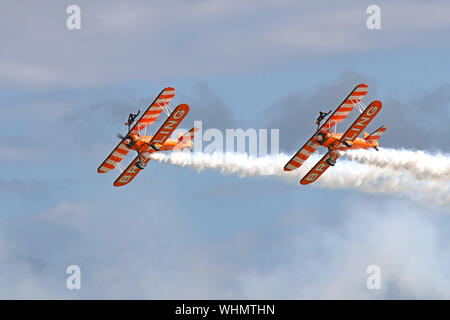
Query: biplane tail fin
x=188 y=136
x=374 y=136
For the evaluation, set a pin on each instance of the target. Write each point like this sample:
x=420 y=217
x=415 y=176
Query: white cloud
x=140 y=39
x=125 y=251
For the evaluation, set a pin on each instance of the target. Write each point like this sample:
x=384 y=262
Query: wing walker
x=333 y=141
x=144 y=145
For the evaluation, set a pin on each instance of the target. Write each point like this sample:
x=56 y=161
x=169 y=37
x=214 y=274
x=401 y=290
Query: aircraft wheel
x=140 y=165
x=330 y=162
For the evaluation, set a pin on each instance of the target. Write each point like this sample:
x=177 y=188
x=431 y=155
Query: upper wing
x=318 y=169
x=154 y=110
x=346 y=106
x=152 y=113
x=363 y=120
x=303 y=154
x=146 y=150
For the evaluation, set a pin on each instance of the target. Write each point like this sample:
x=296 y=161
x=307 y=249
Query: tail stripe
x=377 y=134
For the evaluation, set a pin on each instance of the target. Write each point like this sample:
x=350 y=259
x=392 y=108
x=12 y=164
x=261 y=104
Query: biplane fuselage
x=333 y=141
x=139 y=141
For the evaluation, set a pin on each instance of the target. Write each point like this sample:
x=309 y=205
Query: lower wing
x=318 y=169
x=363 y=120
x=130 y=172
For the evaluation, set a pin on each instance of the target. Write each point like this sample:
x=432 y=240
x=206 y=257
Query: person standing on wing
x=322 y=116
x=131 y=118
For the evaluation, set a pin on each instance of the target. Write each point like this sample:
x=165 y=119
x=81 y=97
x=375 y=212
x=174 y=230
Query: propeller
x=121 y=137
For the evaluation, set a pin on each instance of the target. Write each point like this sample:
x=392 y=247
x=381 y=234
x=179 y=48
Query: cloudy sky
x=176 y=233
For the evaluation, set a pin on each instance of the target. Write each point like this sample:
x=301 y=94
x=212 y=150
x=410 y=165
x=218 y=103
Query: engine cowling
x=320 y=138
x=132 y=141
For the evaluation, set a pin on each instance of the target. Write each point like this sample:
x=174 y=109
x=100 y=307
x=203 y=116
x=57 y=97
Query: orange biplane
x=145 y=145
x=334 y=141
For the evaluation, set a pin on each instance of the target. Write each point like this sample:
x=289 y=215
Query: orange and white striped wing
x=154 y=110
x=346 y=107
x=115 y=157
x=303 y=154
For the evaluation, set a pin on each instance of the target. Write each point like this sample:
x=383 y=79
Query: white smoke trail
x=419 y=163
x=345 y=175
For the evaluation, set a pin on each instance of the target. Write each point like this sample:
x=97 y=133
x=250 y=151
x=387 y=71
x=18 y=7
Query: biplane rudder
x=188 y=135
x=374 y=136
x=186 y=140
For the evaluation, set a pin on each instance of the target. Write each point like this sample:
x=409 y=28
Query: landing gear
x=330 y=162
x=140 y=164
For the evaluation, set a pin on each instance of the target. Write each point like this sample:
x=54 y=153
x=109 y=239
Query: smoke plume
x=423 y=177
x=420 y=164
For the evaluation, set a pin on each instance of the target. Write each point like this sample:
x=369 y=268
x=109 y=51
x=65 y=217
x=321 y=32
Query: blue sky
x=176 y=233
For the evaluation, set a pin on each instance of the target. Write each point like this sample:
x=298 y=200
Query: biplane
x=137 y=140
x=333 y=141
